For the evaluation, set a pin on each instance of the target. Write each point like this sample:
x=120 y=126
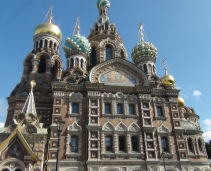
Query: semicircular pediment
x=119 y=72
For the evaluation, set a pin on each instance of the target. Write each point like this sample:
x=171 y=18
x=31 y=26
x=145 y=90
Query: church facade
x=119 y=115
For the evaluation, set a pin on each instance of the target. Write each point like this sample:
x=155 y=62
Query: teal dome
x=144 y=49
x=77 y=42
x=103 y=3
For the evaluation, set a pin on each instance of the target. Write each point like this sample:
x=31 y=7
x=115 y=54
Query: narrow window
x=145 y=68
x=51 y=44
x=75 y=108
x=131 y=110
x=159 y=111
x=46 y=43
x=74 y=144
x=134 y=143
x=82 y=63
x=164 y=144
x=119 y=109
x=71 y=63
x=106 y=26
x=108 y=52
x=107 y=108
x=93 y=60
x=42 y=66
x=109 y=143
x=41 y=42
x=200 y=145
x=190 y=145
x=121 y=143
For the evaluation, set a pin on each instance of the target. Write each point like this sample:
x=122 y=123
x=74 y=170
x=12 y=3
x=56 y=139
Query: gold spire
x=167 y=79
x=141 y=32
x=51 y=14
x=77 y=27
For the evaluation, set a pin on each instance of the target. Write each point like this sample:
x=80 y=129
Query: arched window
x=71 y=63
x=93 y=57
x=190 y=145
x=96 y=27
x=108 y=52
x=37 y=44
x=122 y=54
x=42 y=66
x=46 y=43
x=6 y=170
x=145 y=68
x=54 y=46
x=41 y=42
x=106 y=26
x=82 y=63
x=200 y=145
x=51 y=44
x=55 y=69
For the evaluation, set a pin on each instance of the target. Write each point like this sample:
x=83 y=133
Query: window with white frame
x=164 y=140
x=74 y=140
x=159 y=108
x=75 y=104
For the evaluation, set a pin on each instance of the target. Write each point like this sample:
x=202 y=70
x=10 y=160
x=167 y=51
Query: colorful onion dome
x=103 y=3
x=168 y=79
x=77 y=42
x=144 y=49
x=48 y=28
x=181 y=102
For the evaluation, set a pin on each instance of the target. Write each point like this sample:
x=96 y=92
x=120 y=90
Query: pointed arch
x=108 y=126
x=121 y=127
x=133 y=127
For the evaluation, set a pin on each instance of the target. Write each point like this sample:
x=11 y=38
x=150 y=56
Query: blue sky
x=181 y=30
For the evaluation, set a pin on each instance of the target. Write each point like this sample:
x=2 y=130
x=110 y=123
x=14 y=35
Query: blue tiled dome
x=103 y=3
x=77 y=42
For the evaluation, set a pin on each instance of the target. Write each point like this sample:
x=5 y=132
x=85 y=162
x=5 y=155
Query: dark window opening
x=93 y=60
x=82 y=63
x=6 y=170
x=74 y=144
x=42 y=66
x=107 y=108
x=119 y=109
x=190 y=145
x=164 y=143
x=18 y=169
x=109 y=143
x=41 y=42
x=145 y=68
x=121 y=143
x=51 y=44
x=108 y=52
x=159 y=111
x=55 y=69
x=106 y=26
x=75 y=108
x=134 y=143
x=122 y=54
x=96 y=27
x=54 y=46
x=46 y=43
x=131 y=110
x=71 y=63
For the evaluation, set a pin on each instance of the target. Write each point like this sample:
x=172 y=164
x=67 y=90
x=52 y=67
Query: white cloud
x=197 y=93
x=207 y=136
x=207 y=133
x=1 y=124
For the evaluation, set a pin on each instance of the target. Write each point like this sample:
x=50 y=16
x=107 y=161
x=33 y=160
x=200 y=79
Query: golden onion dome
x=168 y=79
x=181 y=102
x=48 y=28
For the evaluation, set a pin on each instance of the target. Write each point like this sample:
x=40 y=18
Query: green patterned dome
x=77 y=42
x=144 y=49
x=103 y=3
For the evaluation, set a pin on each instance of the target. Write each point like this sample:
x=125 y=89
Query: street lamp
x=164 y=164
x=60 y=125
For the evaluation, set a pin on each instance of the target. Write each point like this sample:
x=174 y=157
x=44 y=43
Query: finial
x=51 y=14
x=33 y=83
x=141 y=32
x=77 y=27
x=164 y=65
